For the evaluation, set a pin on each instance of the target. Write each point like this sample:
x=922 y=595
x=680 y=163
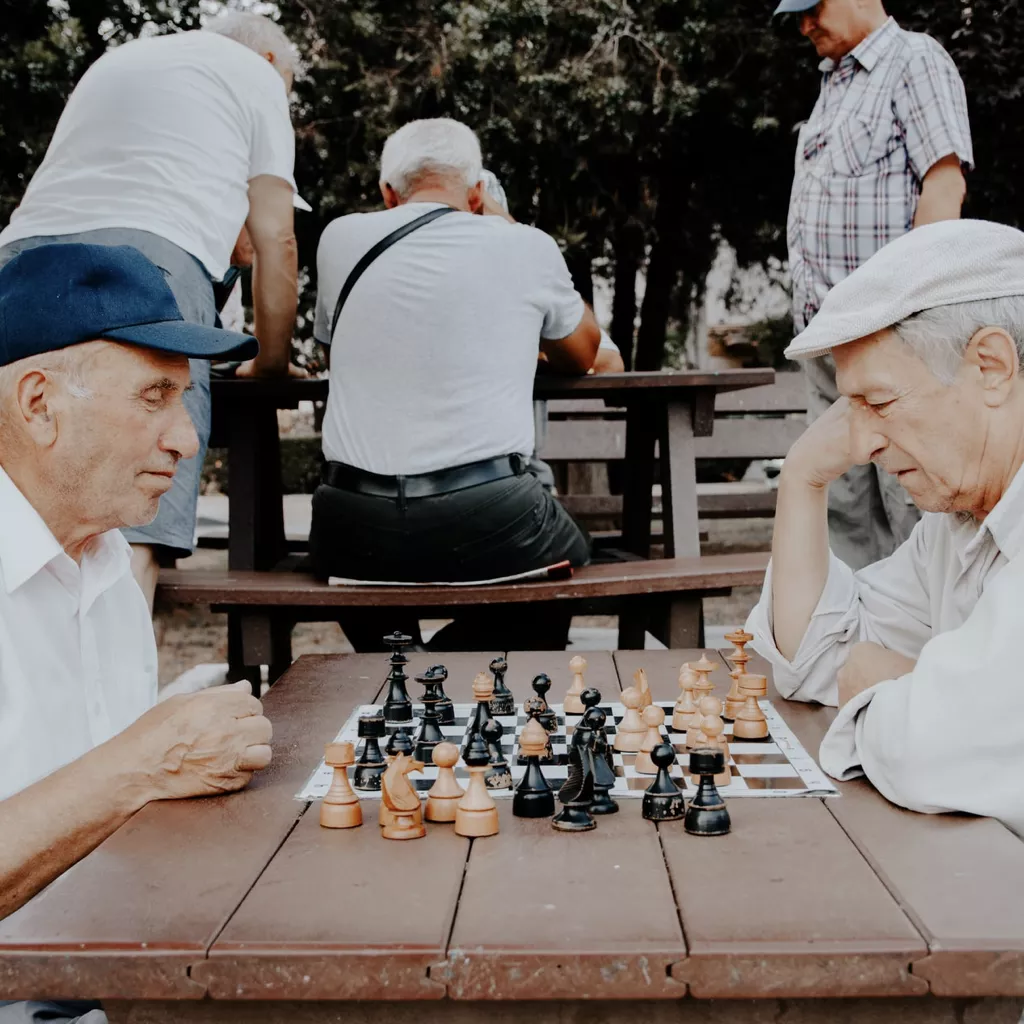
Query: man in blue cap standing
x=94 y=366
x=882 y=152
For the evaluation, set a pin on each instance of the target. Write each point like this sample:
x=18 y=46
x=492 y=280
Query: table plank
x=131 y=918
x=785 y=906
x=550 y=915
x=951 y=874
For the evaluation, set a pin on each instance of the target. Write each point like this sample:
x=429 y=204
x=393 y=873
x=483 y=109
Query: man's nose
x=181 y=437
x=807 y=22
x=866 y=442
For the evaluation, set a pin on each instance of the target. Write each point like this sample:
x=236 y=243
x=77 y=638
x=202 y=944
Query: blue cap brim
x=187 y=339
x=794 y=6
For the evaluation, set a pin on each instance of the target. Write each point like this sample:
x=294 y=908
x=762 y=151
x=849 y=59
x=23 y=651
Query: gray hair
x=438 y=146
x=940 y=335
x=69 y=363
x=260 y=34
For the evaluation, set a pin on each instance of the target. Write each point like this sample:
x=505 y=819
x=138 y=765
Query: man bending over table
x=94 y=363
x=922 y=650
x=429 y=424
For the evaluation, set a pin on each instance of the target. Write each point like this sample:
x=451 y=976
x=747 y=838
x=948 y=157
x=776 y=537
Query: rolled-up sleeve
x=887 y=603
x=948 y=736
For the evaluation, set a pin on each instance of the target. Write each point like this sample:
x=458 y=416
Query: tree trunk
x=578 y=262
x=629 y=250
x=662 y=272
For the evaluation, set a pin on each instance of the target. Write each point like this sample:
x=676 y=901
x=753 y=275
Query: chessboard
x=774 y=767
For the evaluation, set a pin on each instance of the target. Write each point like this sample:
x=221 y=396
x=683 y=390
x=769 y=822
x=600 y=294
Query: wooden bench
x=758 y=423
x=643 y=593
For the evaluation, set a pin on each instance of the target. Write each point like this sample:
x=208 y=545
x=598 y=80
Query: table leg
x=641 y=432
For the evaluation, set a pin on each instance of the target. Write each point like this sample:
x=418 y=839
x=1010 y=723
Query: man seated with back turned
x=922 y=650
x=429 y=424
x=94 y=364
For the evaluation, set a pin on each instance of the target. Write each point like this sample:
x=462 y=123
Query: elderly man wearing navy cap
x=94 y=364
x=882 y=153
x=921 y=651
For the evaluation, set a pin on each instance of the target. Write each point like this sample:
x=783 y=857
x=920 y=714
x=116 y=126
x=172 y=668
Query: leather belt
x=423 y=485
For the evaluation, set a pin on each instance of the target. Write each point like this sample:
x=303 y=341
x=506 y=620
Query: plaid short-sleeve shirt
x=887 y=112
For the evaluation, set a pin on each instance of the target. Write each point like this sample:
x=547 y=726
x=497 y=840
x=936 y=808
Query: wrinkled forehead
x=878 y=362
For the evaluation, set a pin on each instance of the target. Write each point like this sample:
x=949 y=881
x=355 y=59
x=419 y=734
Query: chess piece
x=534 y=797
x=577 y=792
x=438 y=674
x=711 y=707
x=739 y=658
x=713 y=727
x=604 y=767
x=663 y=799
x=572 y=704
x=750 y=723
x=498 y=774
x=546 y=715
x=502 y=702
x=370 y=766
x=653 y=717
x=340 y=807
x=405 y=812
x=483 y=689
x=630 y=732
x=476 y=814
x=444 y=795
x=707 y=814
x=397 y=706
x=685 y=711
x=707 y=707
x=703 y=687
x=399 y=742
x=430 y=725
x=643 y=688
x=537 y=707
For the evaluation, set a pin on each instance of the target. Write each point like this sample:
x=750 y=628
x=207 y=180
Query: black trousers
x=495 y=529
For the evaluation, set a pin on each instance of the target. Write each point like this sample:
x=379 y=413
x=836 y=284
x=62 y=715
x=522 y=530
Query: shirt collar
x=868 y=52
x=27 y=546
x=1005 y=523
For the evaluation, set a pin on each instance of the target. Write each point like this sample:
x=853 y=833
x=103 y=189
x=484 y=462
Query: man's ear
x=475 y=198
x=35 y=407
x=993 y=352
x=390 y=196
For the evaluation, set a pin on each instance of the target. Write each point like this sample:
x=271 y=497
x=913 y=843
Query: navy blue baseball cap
x=795 y=6
x=54 y=296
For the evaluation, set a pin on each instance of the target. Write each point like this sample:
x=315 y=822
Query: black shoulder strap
x=385 y=243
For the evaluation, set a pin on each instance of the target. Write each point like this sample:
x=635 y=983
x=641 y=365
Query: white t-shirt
x=164 y=135
x=433 y=360
x=77 y=655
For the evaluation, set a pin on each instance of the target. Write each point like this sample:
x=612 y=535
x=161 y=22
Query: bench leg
x=265 y=640
x=237 y=667
x=632 y=626
x=684 y=623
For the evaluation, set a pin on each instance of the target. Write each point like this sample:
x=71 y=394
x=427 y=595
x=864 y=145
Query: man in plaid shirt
x=883 y=152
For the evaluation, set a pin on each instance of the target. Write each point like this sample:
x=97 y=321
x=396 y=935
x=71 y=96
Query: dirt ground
x=187 y=637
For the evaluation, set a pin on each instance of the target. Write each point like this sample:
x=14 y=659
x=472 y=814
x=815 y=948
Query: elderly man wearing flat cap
x=882 y=152
x=94 y=364
x=922 y=650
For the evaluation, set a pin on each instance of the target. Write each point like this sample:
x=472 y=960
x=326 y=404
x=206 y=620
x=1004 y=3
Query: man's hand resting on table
x=869 y=663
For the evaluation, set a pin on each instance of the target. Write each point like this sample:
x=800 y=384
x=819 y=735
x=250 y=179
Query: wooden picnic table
x=242 y=908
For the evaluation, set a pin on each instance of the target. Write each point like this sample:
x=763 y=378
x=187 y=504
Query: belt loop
x=400 y=481
x=518 y=463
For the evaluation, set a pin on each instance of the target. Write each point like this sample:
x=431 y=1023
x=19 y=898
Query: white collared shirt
x=948 y=736
x=77 y=654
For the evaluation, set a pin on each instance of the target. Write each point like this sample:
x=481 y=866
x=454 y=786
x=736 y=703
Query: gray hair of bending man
x=258 y=33
x=939 y=336
x=434 y=147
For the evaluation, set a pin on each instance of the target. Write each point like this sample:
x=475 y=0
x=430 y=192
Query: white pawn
x=685 y=711
x=713 y=728
x=630 y=732
x=653 y=718
x=572 y=704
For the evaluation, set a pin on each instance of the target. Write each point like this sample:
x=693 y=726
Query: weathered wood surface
x=246 y=899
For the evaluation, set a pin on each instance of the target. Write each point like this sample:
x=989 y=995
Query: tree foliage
x=640 y=134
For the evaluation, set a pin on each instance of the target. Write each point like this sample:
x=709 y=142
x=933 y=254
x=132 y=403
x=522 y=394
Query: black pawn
x=502 y=702
x=370 y=766
x=604 y=773
x=400 y=742
x=445 y=707
x=398 y=706
x=498 y=776
x=707 y=814
x=577 y=792
x=663 y=799
x=430 y=728
x=541 y=684
x=535 y=707
x=534 y=798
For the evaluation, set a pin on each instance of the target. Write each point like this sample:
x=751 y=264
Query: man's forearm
x=275 y=297
x=51 y=825
x=800 y=560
